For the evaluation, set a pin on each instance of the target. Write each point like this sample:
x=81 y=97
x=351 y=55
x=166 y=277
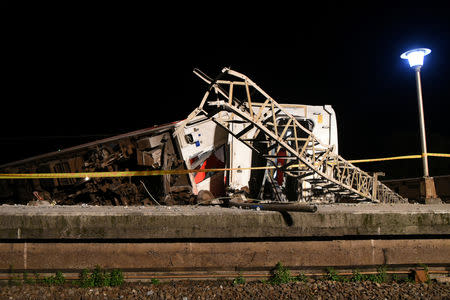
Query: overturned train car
x=199 y=144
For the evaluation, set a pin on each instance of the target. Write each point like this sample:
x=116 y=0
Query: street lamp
x=415 y=58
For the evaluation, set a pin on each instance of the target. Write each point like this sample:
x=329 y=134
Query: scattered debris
x=284 y=152
x=276 y=206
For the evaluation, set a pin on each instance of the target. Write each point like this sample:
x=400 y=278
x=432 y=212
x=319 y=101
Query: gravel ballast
x=186 y=290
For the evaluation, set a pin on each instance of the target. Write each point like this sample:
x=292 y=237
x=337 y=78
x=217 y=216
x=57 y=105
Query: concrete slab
x=189 y=222
x=217 y=256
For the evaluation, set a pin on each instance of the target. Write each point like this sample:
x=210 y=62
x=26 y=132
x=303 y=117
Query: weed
x=281 y=275
x=116 y=278
x=26 y=279
x=380 y=277
x=410 y=278
x=85 y=280
x=99 y=278
x=155 y=281
x=332 y=275
x=239 y=280
x=13 y=279
x=301 y=277
x=357 y=276
x=57 y=279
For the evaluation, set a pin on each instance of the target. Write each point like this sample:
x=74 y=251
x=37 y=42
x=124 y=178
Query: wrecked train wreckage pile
x=266 y=150
x=140 y=150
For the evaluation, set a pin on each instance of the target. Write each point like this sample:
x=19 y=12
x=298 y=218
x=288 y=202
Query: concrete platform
x=214 y=239
x=186 y=222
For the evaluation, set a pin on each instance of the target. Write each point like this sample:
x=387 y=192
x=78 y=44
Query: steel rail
x=176 y=276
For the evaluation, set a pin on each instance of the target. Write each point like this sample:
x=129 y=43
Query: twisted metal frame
x=308 y=158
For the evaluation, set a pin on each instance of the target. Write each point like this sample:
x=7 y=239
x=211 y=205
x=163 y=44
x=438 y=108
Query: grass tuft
x=281 y=275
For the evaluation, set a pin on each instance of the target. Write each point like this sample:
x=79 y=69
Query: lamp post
x=415 y=58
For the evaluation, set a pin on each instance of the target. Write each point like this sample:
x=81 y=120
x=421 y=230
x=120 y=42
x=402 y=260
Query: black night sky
x=74 y=74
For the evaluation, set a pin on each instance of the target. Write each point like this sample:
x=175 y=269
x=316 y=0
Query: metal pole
x=422 y=124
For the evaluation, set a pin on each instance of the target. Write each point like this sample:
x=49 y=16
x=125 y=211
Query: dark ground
x=187 y=290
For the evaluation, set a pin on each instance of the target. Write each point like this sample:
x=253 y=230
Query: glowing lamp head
x=415 y=56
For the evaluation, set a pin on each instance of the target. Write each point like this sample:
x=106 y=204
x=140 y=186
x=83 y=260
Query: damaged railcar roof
x=136 y=133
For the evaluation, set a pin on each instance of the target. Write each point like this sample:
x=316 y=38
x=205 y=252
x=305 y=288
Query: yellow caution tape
x=385 y=158
x=119 y=174
x=178 y=172
x=438 y=154
x=399 y=157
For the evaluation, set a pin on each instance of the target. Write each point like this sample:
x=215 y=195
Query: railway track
x=225 y=258
x=145 y=276
x=180 y=243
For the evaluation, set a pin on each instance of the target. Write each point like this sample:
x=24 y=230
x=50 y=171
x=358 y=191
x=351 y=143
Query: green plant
x=57 y=279
x=85 y=279
x=13 y=279
x=239 y=280
x=155 y=281
x=116 y=278
x=410 y=279
x=280 y=275
x=99 y=278
x=357 y=276
x=380 y=277
x=26 y=279
x=47 y=281
x=301 y=277
x=332 y=275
